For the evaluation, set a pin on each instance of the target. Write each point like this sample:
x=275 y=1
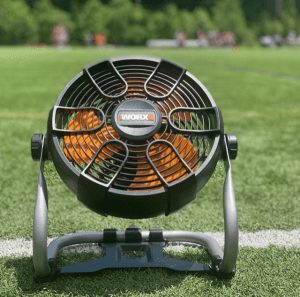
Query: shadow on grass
x=107 y=282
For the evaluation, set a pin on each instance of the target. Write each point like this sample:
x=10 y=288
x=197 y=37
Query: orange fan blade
x=82 y=147
x=166 y=161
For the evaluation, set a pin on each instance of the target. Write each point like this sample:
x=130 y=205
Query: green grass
x=257 y=90
x=267 y=272
x=258 y=93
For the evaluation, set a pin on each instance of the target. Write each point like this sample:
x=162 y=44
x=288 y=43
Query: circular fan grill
x=168 y=151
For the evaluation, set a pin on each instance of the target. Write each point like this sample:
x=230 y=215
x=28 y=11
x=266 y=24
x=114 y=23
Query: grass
x=267 y=272
x=258 y=93
x=256 y=90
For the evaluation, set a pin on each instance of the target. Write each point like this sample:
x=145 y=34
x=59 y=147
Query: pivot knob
x=232 y=145
x=36 y=146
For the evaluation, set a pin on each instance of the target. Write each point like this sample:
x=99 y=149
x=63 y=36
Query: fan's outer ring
x=130 y=204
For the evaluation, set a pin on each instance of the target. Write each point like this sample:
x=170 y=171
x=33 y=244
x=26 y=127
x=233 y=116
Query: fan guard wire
x=170 y=155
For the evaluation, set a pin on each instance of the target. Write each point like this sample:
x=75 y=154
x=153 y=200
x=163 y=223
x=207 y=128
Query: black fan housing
x=135 y=137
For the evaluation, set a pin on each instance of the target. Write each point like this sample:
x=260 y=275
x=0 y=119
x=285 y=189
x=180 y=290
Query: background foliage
x=133 y=22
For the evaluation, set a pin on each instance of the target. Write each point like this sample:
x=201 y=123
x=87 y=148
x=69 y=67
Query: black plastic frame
x=106 y=200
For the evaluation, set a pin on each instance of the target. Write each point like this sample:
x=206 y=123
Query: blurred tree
x=17 y=25
x=67 y=4
x=267 y=25
x=252 y=9
x=134 y=21
x=137 y=33
x=228 y=16
x=126 y=22
x=90 y=18
x=289 y=16
x=203 y=21
x=163 y=24
x=180 y=4
x=186 y=22
x=47 y=16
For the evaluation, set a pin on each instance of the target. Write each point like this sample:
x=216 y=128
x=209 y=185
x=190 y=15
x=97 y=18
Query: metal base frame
x=150 y=244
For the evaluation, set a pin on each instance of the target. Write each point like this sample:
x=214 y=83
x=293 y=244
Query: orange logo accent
x=151 y=117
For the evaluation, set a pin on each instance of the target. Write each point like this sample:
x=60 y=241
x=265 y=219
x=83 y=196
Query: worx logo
x=136 y=116
x=136 y=119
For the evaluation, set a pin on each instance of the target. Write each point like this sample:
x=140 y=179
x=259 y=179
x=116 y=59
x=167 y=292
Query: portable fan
x=135 y=137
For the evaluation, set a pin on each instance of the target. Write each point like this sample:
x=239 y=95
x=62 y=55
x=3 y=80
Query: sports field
x=258 y=92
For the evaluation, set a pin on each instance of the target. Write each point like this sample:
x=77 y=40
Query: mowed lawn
x=258 y=92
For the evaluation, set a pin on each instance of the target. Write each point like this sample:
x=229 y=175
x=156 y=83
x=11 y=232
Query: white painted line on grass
x=259 y=239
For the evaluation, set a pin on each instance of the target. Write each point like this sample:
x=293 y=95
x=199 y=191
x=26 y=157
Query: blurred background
x=246 y=52
x=164 y=23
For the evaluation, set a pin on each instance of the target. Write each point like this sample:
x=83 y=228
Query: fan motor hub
x=136 y=119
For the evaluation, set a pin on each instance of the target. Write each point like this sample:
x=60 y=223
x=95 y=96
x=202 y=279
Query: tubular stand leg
x=40 y=224
x=228 y=264
x=42 y=254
